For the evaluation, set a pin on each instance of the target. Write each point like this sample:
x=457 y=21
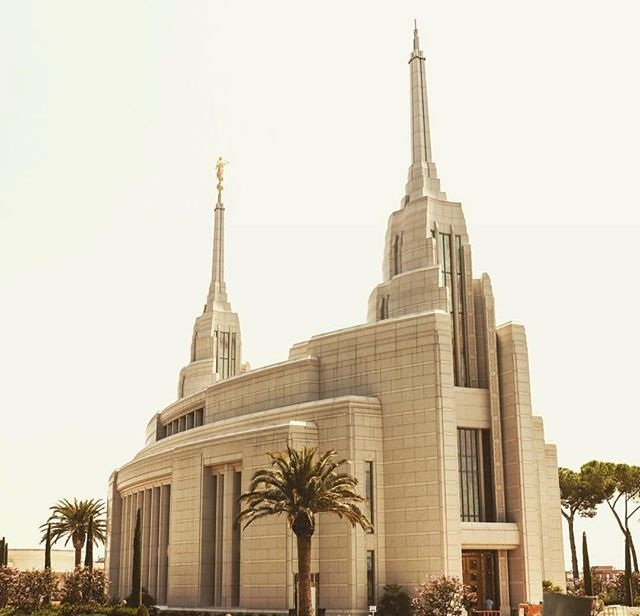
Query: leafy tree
x=617 y=590
x=394 y=602
x=549 y=586
x=578 y=496
x=619 y=486
x=299 y=487
x=443 y=596
x=586 y=567
x=71 y=520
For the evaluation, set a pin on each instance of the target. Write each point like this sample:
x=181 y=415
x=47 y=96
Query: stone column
x=145 y=537
x=163 y=547
x=153 y=543
x=124 y=547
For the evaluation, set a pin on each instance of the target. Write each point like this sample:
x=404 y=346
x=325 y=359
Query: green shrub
x=99 y=610
x=394 y=602
x=147 y=600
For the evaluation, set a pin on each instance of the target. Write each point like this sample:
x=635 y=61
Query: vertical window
x=368 y=488
x=469 y=475
x=476 y=480
x=460 y=307
x=445 y=260
x=371 y=577
x=384 y=308
x=189 y=421
x=198 y=417
x=193 y=346
x=224 y=343
x=396 y=255
x=449 y=252
x=225 y=346
x=445 y=268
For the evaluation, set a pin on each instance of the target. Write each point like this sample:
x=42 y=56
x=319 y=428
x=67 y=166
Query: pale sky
x=113 y=113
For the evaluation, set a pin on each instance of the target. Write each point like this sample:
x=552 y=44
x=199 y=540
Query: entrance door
x=479 y=573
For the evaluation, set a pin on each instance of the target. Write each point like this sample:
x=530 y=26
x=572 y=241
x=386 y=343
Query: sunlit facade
x=429 y=400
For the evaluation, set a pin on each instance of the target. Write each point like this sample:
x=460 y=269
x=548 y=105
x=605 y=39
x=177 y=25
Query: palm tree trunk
x=78 y=555
x=304 y=575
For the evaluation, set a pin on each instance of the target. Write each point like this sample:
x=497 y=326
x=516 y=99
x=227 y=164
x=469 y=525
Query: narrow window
x=460 y=324
x=368 y=487
x=476 y=478
x=189 y=421
x=223 y=354
x=371 y=577
x=194 y=344
x=396 y=255
x=232 y=356
x=181 y=424
x=384 y=308
x=198 y=418
x=168 y=429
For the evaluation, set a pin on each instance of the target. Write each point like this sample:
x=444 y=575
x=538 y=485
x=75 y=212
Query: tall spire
x=423 y=177
x=216 y=343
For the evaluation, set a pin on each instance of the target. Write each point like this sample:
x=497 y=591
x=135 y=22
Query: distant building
x=33 y=558
x=429 y=400
x=605 y=573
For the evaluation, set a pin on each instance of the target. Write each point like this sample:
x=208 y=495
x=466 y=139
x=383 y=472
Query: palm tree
x=299 y=488
x=71 y=520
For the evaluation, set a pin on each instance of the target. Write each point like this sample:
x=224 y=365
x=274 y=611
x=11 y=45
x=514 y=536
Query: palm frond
x=301 y=487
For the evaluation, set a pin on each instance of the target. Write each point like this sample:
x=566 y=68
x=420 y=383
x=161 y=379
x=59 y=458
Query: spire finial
x=416 y=38
x=220 y=164
x=217 y=290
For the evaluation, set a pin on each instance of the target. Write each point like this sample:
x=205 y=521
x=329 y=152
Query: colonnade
x=154 y=506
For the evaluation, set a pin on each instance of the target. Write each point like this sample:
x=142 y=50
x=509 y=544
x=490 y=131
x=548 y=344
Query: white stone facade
x=429 y=400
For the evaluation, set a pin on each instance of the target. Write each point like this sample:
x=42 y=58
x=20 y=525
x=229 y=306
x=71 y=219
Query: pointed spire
x=423 y=177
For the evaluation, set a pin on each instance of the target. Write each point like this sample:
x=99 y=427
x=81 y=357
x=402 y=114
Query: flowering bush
x=443 y=596
x=7 y=584
x=26 y=590
x=84 y=586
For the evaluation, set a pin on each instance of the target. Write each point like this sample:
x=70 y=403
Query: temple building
x=429 y=400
